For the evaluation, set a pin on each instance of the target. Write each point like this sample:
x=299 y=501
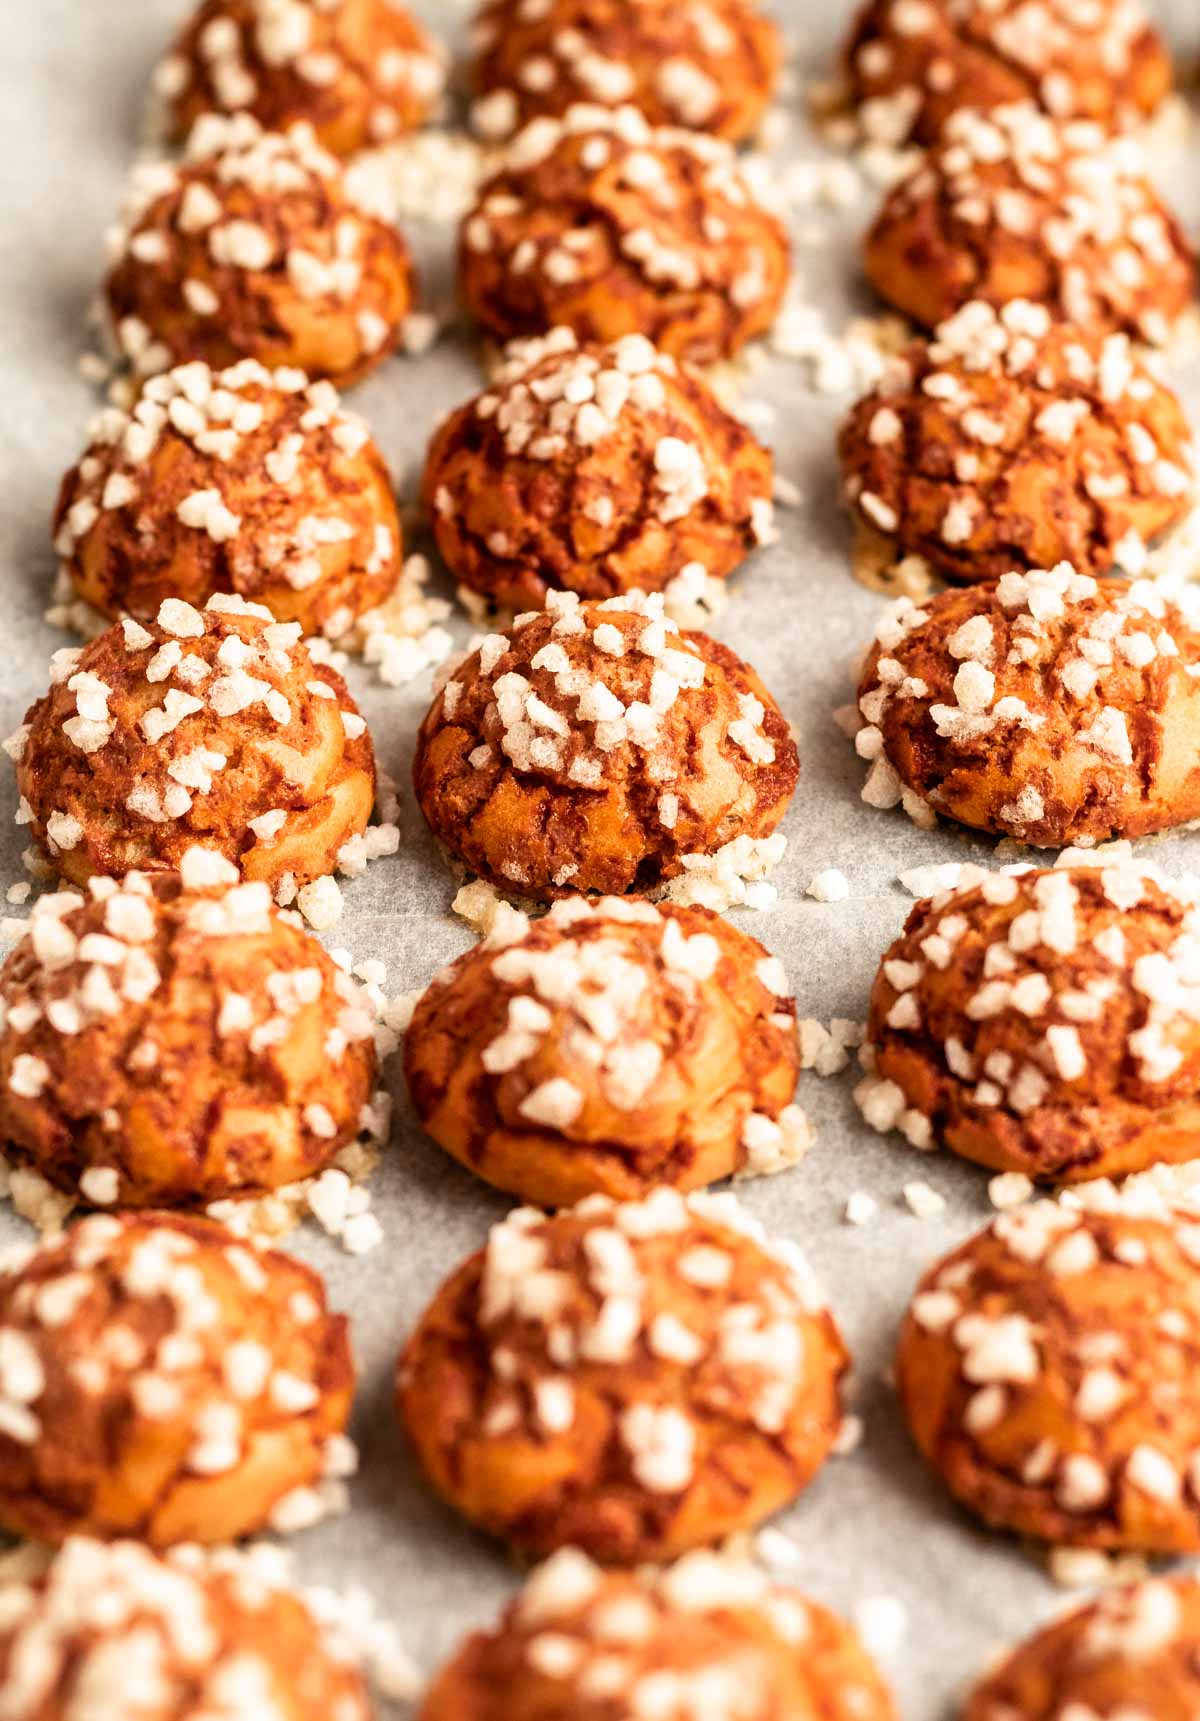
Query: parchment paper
x=875 y=1523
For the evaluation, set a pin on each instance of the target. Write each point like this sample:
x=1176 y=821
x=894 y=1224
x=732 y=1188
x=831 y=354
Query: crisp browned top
x=256 y=245
x=601 y=469
x=595 y=745
x=707 y=1634
x=1046 y=706
x=178 y=1635
x=1013 y=204
x=1048 y=1367
x=1012 y=441
x=634 y=1377
x=709 y=65
x=1134 y=1650
x=615 y=1027
x=165 y=1045
x=610 y=226
x=242 y=480
x=148 y=1357
x=1062 y=989
x=357 y=71
x=208 y=726
x=913 y=63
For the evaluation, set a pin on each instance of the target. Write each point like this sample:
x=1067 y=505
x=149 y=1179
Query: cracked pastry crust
x=166 y=1043
x=360 y=72
x=609 y=1047
x=595 y=747
x=163 y=1379
x=709 y=65
x=709 y=1633
x=1133 y=1650
x=595 y=469
x=117 y=1628
x=1046 y=707
x=1045 y=1022
x=242 y=480
x=257 y=246
x=611 y=227
x=1012 y=441
x=1047 y=1371
x=632 y=1380
x=211 y=727
x=913 y=63
x=1012 y=204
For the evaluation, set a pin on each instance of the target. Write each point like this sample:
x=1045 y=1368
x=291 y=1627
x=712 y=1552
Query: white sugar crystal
x=320 y=903
x=100 y=1184
x=924 y=1201
x=204 y=869
x=830 y=885
x=1009 y=1189
x=882 y=1623
x=861 y=1208
x=29 y=1076
x=555 y=1104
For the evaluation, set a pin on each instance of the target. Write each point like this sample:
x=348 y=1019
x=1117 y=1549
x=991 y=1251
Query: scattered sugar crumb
x=336 y=1198
x=419 y=332
x=847 y=364
x=1117 y=853
x=403 y=637
x=349 y=1616
x=321 y=903
x=940 y=876
x=1089 y=1568
x=735 y=876
x=792 y=187
x=488 y=913
x=1009 y=1189
x=873 y=134
x=829 y=885
x=1174 y=562
x=377 y=841
x=487 y=616
x=861 y=1208
x=694 y=597
x=884 y=1107
x=402 y=1009
x=923 y=1201
x=827 y=1050
x=68 y=611
x=430 y=175
x=849 y=1436
x=776 y=1549
x=882 y=1624
x=775 y=1144
x=305 y=1508
x=47 y=1209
